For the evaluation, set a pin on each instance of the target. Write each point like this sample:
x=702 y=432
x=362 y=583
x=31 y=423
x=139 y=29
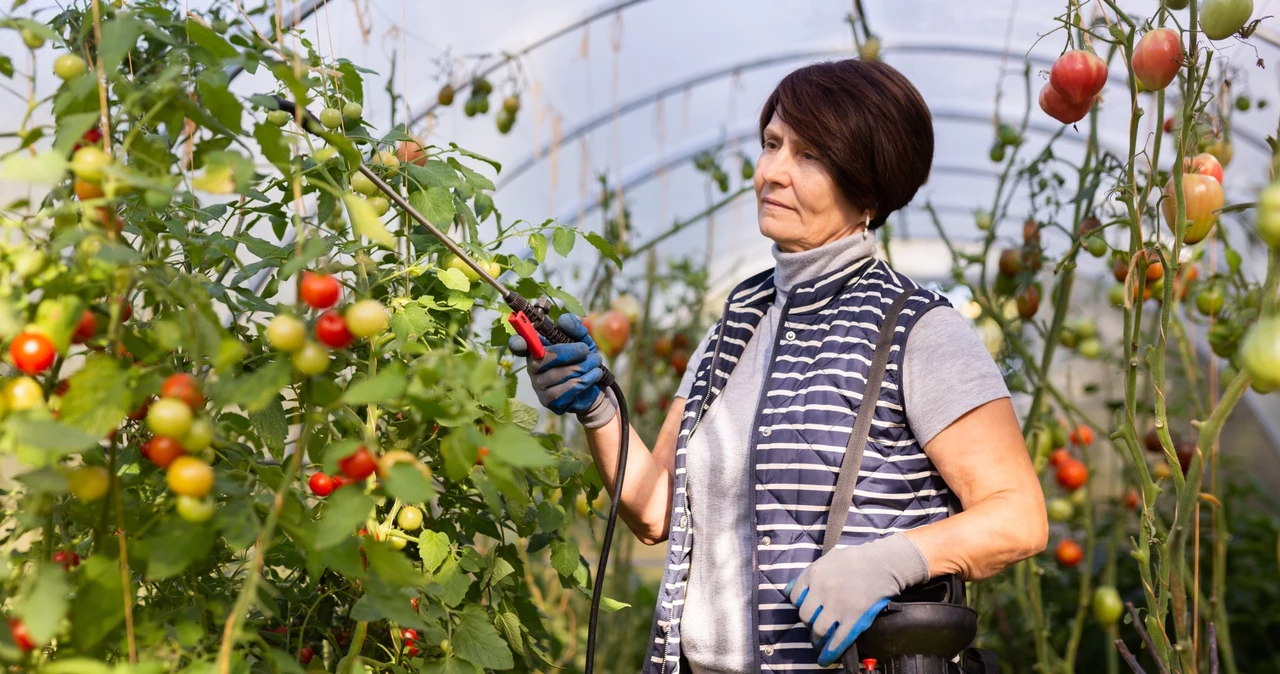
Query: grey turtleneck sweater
x=946 y=373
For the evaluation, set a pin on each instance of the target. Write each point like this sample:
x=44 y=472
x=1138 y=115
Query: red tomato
x=340 y=480
x=409 y=634
x=305 y=654
x=1069 y=553
x=1204 y=164
x=141 y=412
x=1157 y=58
x=359 y=465
x=483 y=452
x=331 y=330
x=162 y=450
x=1203 y=197
x=32 y=352
x=86 y=328
x=320 y=291
x=21 y=637
x=68 y=559
x=184 y=387
x=1168 y=125
x=1072 y=474
x=1131 y=499
x=1059 y=456
x=1057 y=106
x=91 y=137
x=321 y=485
x=1082 y=435
x=1078 y=75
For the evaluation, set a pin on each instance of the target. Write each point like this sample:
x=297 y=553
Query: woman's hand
x=842 y=593
x=567 y=377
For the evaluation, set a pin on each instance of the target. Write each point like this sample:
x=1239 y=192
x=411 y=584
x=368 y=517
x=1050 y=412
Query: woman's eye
x=771 y=145
x=809 y=156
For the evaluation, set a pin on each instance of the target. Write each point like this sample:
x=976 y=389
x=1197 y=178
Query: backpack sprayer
x=530 y=321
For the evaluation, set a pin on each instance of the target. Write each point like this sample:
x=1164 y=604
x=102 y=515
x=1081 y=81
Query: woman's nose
x=775 y=169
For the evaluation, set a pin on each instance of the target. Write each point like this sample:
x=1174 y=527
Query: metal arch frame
x=654 y=168
x=755 y=64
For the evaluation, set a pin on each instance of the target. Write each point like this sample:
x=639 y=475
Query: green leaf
x=433 y=547
x=562 y=240
x=378 y=603
x=550 y=516
x=435 y=204
x=454 y=279
x=365 y=221
x=382 y=389
x=273 y=145
x=450 y=665
x=468 y=153
x=71 y=129
x=407 y=483
x=524 y=268
x=411 y=323
x=538 y=242
x=609 y=605
x=522 y=415
x=97 y=398
x=119 y=36
x=513 y=445
x=606 y=249
x=473 y=179
x=391 y=565
x=216 y=97
x=175 y=547
x=345 y=510
x=476 y=641
x=256 y=390
x=98 y=607
x=509 y=623
x=76 y=666
x=315 y=247
x=434 y=173
x=51 y=438
x=271 y=426
x=44 y=603
x=564 y=557
x=453 y=583
x=285 y=662
x=206 y=37
x=352 y=83
x=46 y=168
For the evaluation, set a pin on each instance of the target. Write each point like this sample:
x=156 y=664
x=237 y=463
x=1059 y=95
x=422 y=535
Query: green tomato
x=89 y=483
x=352 y=111
x=504 y=121
x=331 y=118
x=286 y=333
x=1268 y=218
x=482 y=106
x=195 y=510
x=279 y=117
x=454 y=262
x=1220 y=19
x=361 y=183
x=69 y=66
x=1210 y=301
x=199 y=436
x=157 y=200
x=997 y=152
x=1060 y=510
x=1243 y=103
x=1090 y=348
x=311 y=359
x=1107 y=605
x=324 y=154
x=388 y=160
x=396 y=540
x=983 y=221
x=1086 y=328
x=1096 y=245
x=380 y=205
x=1260 y=353
x=470 y=108
x=32 y=39
x=170 y=417
x=1067 y=337
x=1009 y=135
x=409 y=518
x=1115 y=295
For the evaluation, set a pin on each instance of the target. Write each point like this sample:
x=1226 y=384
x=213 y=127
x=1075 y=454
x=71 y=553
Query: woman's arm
x=984 y=460
x=647 y=485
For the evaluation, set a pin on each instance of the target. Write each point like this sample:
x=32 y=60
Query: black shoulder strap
x=852 y=462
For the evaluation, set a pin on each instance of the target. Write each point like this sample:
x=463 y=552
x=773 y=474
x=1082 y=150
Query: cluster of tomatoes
x=478 y=103
x=333 y=329
x=1075 y=80
x=180 y=444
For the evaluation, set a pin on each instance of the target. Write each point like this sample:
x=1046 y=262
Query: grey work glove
x=842 y=593
x=567 y=377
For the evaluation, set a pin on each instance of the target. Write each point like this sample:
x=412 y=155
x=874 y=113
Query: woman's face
x=797 y=202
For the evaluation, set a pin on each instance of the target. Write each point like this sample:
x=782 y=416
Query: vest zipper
x=751 y=480
x=702 y=407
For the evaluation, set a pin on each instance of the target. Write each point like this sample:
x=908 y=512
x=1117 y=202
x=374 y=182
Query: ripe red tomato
x=21 y=637
x=358 y=465
x=340 y=480
x=32 y=352
x=1059 y=456
x=1203 y=196
x=1204 y=164
x=320 y=291
x=1131 y=499
x=305 y=654
x=1072 y=474
x=1069 y=553
x=162 y=450
x=331 y=330
x=184 y=387
x=1057 y=106
x=1157 y=58
x=321 y=485
x=480 y=454
x=610 y=331
x=1082 y=435
x=67 y=558
x=1078 y=75
x=91 y=137
x=1028 y=302
x=86 y=328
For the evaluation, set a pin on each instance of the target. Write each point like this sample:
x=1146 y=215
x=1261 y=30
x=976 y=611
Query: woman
x=740 y=479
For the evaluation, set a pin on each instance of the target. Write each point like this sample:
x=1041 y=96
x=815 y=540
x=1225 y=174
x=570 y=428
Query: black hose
x=598 y=590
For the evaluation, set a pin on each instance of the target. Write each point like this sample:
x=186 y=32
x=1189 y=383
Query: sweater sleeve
x=947 y=372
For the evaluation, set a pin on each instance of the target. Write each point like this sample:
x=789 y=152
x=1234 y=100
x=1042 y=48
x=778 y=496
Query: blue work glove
x=567 y=377
x=842 y=593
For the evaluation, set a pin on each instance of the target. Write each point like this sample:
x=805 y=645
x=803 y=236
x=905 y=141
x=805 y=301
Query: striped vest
x=822 y=352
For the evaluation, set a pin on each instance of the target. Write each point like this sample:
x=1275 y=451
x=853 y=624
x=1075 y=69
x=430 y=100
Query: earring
x=868 y=223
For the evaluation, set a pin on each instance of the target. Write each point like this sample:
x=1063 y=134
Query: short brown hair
x=869 y=124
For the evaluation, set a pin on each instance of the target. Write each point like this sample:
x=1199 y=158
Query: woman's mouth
x=776 y=204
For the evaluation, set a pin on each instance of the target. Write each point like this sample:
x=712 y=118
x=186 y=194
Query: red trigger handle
x=524 y=327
